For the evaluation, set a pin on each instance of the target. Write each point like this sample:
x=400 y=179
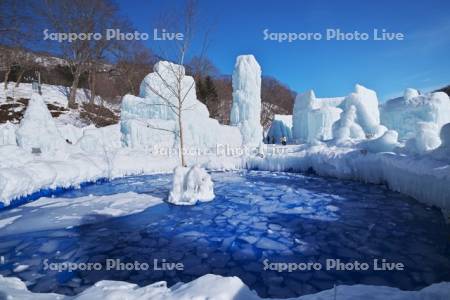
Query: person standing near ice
x=246 y=109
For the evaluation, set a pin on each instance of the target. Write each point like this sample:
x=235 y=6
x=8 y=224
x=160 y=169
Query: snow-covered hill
x=14 y=101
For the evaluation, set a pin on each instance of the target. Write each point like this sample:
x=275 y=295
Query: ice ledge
x=219 y=288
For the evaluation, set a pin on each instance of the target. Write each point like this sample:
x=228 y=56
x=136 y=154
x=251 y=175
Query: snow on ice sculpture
x=367 y=111
x=314 y=117
x=149 y=119
x=402 y=114
x=191 y=185
x=246 y=108
x=8 y=134
x=385 y=143
x=425 y=139
x=443 y=151
x=410 y=93
x=38 y=130
x=346 y=128
x=281 y=126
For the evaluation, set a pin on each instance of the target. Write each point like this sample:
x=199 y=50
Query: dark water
x=256 y=216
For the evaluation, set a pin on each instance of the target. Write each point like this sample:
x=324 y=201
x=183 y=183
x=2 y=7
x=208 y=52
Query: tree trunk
x=92 y=87
x=19 y=79
x=131 y=87
x=73 y=90
x=183 y=162
x=7 y=77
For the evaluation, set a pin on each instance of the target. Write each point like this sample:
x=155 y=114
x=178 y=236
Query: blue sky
x=331 y=68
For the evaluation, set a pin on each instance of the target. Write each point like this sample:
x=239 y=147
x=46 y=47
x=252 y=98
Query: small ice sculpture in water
x=191 y=185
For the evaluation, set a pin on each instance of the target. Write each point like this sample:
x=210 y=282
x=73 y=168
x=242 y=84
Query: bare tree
x=81 y=16
x=15 y=31
x=177 y=90
x=134 y=62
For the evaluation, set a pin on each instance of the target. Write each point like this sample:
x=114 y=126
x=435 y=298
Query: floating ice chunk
x=268 y=244
x=191 y=185
x=7 y=221
x=246 y=109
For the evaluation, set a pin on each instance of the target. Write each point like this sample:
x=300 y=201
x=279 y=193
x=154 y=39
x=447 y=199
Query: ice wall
x=313 y=117
x=246 y=108
x=404 y=113
x=152 y=118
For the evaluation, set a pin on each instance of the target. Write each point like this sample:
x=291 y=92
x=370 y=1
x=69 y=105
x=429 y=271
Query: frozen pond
x=256 y=216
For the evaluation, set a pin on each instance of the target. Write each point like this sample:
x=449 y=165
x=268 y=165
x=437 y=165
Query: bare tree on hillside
x=80 y=16
x=15 y=27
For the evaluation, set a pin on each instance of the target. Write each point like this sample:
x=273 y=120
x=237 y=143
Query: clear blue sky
x=331 y=68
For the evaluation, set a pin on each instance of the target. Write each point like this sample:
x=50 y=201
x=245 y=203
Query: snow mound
x=346 y=128
x=385 y=143
x=402 y=114
x=191 y=185
x=246 y=108
x=281 y=127
x=38 y=129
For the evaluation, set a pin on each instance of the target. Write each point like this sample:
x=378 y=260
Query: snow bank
x=150 y=119
x=281 y=127
x=191 y=185
x=403 y=114
x=72 y=133
x=424 y=178
x=385 y=143
x=218 y=288
x=246 y=108
x=38 y=129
